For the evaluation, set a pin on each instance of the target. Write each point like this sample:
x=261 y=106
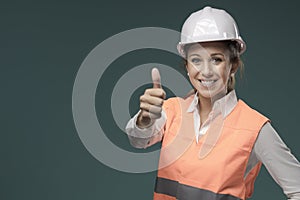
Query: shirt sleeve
x=143 y=138
x=279 y=161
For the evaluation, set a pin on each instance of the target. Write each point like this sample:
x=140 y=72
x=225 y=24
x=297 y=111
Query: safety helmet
x=209 y=24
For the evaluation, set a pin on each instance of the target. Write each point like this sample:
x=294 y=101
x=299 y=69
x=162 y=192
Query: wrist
x=144 y=122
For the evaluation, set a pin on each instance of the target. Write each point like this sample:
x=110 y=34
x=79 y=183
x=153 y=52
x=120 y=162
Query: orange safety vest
x=220 y=174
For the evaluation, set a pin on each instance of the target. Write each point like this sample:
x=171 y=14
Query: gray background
x=43 y=44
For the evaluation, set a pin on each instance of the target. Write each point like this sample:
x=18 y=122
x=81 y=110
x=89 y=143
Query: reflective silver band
x=186 y=192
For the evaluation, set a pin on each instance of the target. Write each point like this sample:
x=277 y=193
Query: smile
x=207 y=83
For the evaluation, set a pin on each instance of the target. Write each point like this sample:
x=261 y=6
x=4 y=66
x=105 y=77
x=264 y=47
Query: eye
x=195 y=60
x=216 y=60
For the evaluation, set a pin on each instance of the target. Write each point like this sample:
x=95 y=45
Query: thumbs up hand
x=151 y=102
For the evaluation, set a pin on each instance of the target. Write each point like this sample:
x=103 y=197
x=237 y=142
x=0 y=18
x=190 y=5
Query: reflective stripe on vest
x=186 y=192
x=185 y=173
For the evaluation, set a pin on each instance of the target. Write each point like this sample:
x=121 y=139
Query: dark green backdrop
x=43 y=44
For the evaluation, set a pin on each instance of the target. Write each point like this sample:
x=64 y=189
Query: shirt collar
x=224 y=105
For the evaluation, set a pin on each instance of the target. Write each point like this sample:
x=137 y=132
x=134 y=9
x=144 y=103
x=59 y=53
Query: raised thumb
x=156 y=78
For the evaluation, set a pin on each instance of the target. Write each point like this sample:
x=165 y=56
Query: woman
x=213 y=145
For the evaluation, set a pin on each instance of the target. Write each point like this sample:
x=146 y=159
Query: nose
x=206 y=70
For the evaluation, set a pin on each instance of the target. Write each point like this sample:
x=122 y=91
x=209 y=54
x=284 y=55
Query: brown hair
x=235 y=60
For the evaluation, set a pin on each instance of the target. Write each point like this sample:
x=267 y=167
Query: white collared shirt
x=222 y=106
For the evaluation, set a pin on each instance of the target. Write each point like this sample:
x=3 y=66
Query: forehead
x=207 y=48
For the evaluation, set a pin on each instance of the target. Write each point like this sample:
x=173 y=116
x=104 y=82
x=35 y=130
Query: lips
x=207 y=83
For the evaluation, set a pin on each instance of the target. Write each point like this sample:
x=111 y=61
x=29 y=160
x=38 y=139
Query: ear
x=234 y=68
x=186 y=64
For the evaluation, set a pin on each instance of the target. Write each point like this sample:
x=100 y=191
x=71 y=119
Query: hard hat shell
x=209 y=24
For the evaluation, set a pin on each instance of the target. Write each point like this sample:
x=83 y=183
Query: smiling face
x=208 y=65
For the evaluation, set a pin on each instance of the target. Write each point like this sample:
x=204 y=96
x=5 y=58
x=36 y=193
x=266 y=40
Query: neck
x=205 y=105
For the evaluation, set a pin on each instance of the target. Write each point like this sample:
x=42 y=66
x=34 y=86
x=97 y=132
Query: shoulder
x=246 y=116
x=245 y=107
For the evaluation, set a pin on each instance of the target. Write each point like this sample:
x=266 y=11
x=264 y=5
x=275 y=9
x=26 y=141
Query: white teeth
x=207 y=83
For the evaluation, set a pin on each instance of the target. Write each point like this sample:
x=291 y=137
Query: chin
x=212 y=93
x=207 y=94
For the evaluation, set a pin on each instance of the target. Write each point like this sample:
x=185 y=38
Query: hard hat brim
x=180 y=45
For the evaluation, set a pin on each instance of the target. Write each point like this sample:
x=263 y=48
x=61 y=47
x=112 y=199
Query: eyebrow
x=194 y=55
x=213 y=54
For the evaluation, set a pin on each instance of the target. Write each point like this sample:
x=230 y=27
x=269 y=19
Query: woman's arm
x=146 y=127
x=279 y=161
x=143 y=138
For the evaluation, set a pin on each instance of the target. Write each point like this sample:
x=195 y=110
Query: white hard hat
x=209 y=24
